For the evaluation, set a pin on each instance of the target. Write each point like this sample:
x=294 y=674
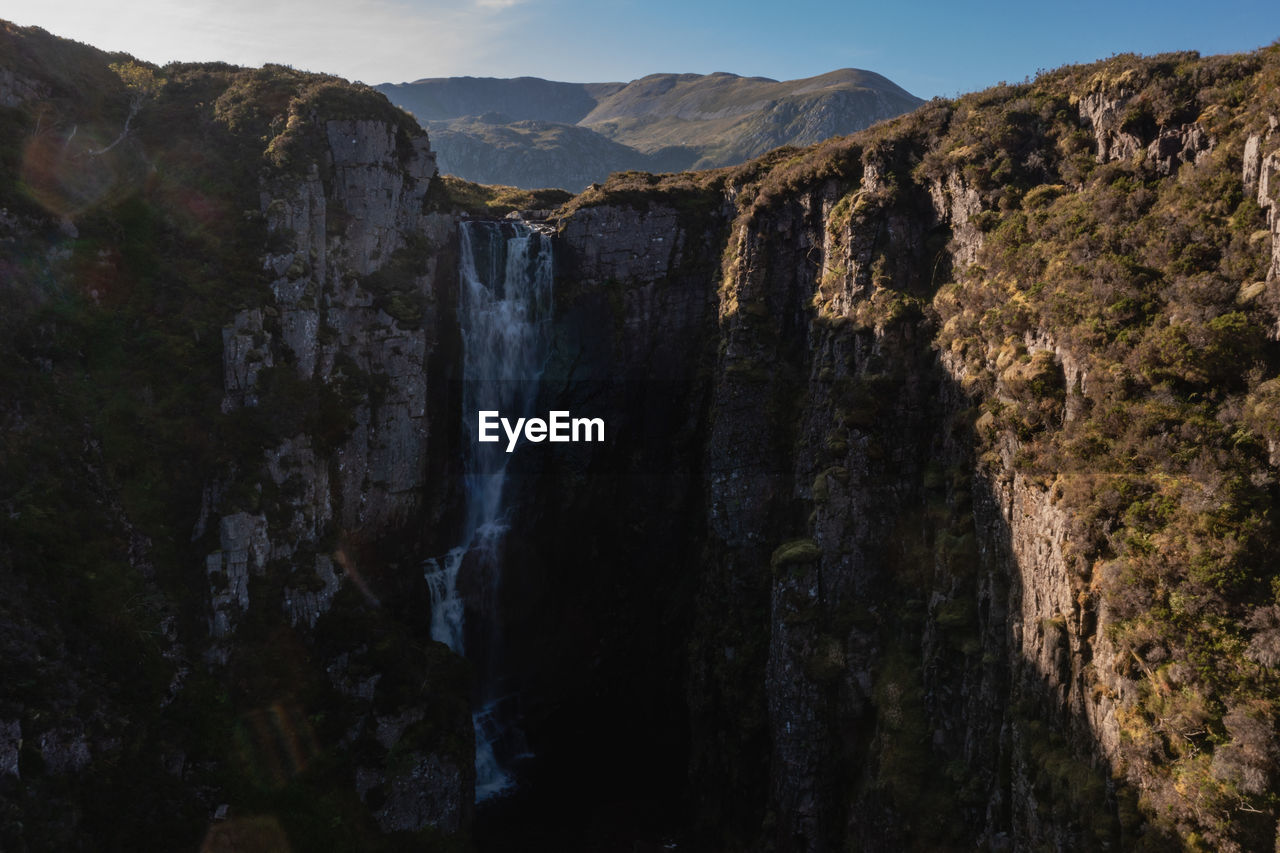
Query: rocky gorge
x=934 y=513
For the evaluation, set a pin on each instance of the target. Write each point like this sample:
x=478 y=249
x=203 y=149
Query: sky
x=929 y=48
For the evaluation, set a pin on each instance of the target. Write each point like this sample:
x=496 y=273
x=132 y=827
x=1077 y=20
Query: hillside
x=491 y=149
x=520 y=98
x=727 y=115
x=661 y=122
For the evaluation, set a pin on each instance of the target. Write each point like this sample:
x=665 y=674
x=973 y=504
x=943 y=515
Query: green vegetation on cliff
x=1102 y=291
x=1143 y=278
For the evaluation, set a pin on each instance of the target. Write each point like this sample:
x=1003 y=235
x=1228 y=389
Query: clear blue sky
x=929 y=48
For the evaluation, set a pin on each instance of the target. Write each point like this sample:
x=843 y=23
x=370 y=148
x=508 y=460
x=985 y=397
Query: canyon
x=934 y=512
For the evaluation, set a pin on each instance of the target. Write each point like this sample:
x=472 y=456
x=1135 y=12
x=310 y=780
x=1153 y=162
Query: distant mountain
x=521 y=98
x=530 y=132
x=493 y=149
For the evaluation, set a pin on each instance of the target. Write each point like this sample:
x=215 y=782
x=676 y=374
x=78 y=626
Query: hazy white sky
x=931 y=47
x=371 y=41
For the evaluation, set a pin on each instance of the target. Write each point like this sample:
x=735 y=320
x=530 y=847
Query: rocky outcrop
x=1174 y=146
x=305 y=491
x=243 y=595
x=1059 y=654
x=1118 y=134
x=65 y=751
x=1104 y=113
x=245 y=547
x=428 y=793
x=331 y=326
x=422 y=790
x=623 y=244
x=308 y=604
x=958 y=204
x=351 y=325
x=10 y=745
x=244 y=356
x=1262 y=176
x=16 y=89
x=327 y=319
x=812 y=413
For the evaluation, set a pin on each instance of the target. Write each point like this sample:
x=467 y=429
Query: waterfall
x=504 y=308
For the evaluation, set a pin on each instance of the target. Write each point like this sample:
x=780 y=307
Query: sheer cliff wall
x=985 y=464
x=228 y=339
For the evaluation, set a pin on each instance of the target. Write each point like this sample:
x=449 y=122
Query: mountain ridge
x=718 y=119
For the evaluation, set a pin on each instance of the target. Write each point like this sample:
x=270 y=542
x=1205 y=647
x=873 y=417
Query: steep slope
x=663 y=122
x=220 y=363
x=988 y=471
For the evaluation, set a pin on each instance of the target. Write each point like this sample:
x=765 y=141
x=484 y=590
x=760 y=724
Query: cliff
x=222 y=461
x=983 y=446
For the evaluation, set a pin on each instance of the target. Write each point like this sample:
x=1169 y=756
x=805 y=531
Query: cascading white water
x=504 y=307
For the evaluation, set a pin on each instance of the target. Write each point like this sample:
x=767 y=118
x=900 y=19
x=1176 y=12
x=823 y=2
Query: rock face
x=355 y=265
x=16 y=90
x=823 y=466
x=430 y=793
x=243 y=608
x=903 y=633
x=829 y=460
x=1262 y=175
x=325 y=327
x=1104 y=113
x=244 y=545
x=622 y=245
x=328 y=321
